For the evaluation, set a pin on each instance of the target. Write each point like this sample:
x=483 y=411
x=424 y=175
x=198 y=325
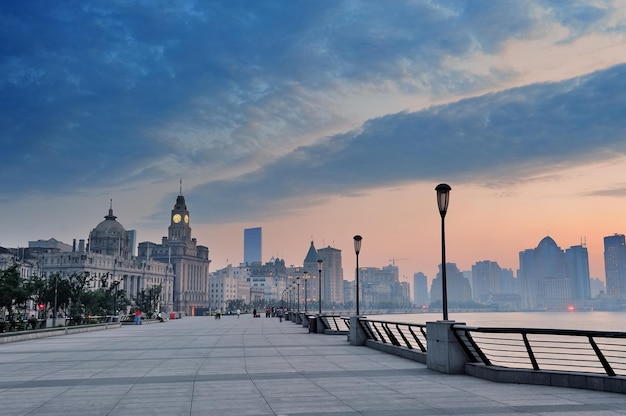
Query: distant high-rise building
x=577 y=270
x=486 y=279
x=542 y=275
x=132 y=234
x=252 y=245
x=615 y=264
x=420 y=289
x=508 y=282
x=551 y=277
x=459 y=289
x=332 y=275
x=597 y=287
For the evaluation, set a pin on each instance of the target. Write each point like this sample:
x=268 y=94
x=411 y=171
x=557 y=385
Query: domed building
x=110 y=238
x=552 y=278
x=107 y=258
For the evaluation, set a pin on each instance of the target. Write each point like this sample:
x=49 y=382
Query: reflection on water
x=596 y=320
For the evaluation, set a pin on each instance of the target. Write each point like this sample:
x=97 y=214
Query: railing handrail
x=541 y=331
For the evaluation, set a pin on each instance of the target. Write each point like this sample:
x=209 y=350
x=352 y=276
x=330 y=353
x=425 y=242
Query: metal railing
x=335 y=323
x=400 y=334
x=597 y=352
x=574 y=351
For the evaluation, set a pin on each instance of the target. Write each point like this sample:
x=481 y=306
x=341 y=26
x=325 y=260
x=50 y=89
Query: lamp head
x=319 y=264
x=357 y=244
x=443 y=197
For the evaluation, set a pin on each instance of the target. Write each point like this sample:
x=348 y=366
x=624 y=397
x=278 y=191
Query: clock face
x=176 y=218
x=186 y=219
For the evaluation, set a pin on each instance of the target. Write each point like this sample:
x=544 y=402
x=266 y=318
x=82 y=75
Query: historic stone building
x=108 y=259
x=190 y=262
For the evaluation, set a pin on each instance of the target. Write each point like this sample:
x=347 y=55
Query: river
x=593 y=320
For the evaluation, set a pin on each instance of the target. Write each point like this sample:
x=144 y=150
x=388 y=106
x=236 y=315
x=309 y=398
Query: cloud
x=504 y=137
x=103 y=94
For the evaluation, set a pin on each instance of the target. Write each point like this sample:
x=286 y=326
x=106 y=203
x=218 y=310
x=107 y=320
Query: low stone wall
x=586 y=381
x=53 y=332
x=399 y=351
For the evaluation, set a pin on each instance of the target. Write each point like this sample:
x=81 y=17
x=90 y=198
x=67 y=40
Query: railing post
x=444 y=353
x=357 y=333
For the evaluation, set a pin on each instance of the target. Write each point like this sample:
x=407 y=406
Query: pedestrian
x=238 y=312
x=280 y=312
x=137 y=317
x=160 y=316
x=254 y=313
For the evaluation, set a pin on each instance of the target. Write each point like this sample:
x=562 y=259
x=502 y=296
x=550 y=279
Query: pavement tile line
x=198 y=366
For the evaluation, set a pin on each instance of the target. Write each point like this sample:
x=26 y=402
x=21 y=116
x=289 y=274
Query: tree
x=13 y=291
x=235 y=304
x=148 y=300
x=37 y=290
x=79 y=285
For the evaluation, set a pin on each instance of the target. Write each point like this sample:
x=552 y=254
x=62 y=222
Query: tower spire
x=181 y=187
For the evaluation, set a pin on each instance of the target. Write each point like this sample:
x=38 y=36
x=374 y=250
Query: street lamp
x=357 y=250
x=319 y=285
x=56 y=294
x=298 y=292
x=443 y=197
x=306 y=277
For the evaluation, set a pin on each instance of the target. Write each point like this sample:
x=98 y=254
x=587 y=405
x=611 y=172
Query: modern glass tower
x=252 y=240
x=615 y=264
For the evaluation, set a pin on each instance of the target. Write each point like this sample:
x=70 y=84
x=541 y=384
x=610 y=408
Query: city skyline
x=319 y=121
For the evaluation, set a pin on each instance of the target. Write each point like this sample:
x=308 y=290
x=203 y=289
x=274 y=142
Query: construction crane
x=394 y=260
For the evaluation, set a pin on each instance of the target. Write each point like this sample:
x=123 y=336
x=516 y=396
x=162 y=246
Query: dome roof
x=548 y=245
x=109 y=226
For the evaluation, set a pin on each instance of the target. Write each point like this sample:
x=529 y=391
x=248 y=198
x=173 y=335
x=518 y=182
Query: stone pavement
x=247 y=366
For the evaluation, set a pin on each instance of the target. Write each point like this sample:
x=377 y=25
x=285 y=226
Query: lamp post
x=443 y=197
x=305 y=294
x=357 y=250
x=319 y=285
x=298 y=292
x=54 y=315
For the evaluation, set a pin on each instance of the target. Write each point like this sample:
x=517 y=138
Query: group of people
x=269 y=312
x=159 y=317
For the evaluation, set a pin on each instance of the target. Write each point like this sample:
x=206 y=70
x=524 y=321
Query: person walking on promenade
x=137 y=317
x=238 y=312
x=280 y=312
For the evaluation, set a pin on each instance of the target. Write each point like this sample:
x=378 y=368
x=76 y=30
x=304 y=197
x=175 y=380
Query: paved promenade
x=247 y=366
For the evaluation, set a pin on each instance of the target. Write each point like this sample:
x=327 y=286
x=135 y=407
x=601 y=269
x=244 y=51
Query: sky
x=318 y=120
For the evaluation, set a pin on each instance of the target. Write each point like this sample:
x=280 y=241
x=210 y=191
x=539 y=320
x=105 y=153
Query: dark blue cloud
x=500 y=138
x=100 y=93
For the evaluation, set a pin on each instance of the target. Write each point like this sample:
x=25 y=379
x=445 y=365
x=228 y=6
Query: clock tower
x=189 y=261
x=179 y=229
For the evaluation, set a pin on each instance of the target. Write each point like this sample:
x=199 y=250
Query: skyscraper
x=486 y=279
x=542 y=276
x=252 y=245
x=577 y=267
x=420 y=289
x=332 y=275
x=615 y=264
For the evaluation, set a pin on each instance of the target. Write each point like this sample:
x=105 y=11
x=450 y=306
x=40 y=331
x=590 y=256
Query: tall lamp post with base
x=443 y=197
x=298 y=292
x=319 y=286
x=305 y=294
x=357 y=250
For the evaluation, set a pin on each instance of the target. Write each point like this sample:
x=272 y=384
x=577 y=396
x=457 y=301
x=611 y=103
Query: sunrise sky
x=318 y=120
